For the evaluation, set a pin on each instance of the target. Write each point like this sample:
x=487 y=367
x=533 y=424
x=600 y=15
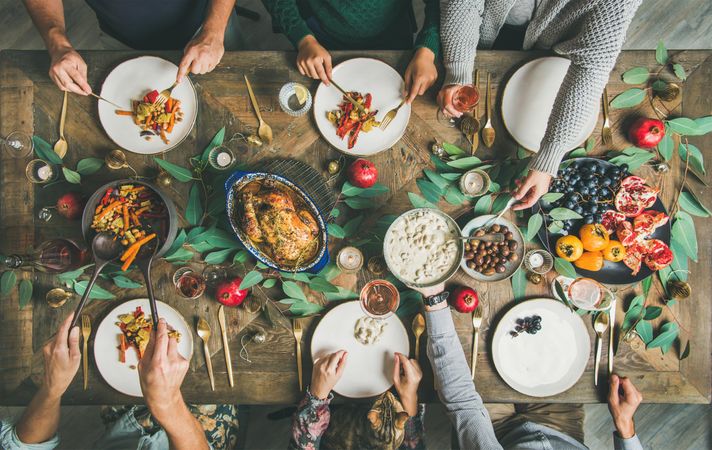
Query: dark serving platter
x=612 y=272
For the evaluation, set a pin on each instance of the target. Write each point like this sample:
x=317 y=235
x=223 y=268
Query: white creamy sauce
x=368 y=330
x=422 y=247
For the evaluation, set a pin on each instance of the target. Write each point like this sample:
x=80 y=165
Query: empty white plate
x=546 y=363
x=133 y=79
x=121 y=376
x=369 y=368
x=364 y=75
x=529 y=98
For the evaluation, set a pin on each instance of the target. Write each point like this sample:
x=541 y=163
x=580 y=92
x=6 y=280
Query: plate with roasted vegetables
x=143 y=124
x=377 y=88
x=122 y=337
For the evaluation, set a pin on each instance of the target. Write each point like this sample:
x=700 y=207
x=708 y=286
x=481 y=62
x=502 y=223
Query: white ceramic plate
x=369 y=368
x=546 y=363
x=119 y=375
x=511 y=266
x=364 y=75
x=133 y=79
x=529 y=98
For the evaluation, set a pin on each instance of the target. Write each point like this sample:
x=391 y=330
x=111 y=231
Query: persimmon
x=569 y=248
x=614 y=252
x=592 y=261
x=594 y=237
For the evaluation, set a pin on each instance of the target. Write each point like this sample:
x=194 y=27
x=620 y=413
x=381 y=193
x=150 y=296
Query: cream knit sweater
x=588 y=32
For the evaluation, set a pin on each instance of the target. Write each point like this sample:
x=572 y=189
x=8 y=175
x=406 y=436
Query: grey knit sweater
x=588 y=32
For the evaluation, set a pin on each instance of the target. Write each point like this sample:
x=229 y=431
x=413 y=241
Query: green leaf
x=352 y=226
x=218 y=257
x=454 y=196
x=551 y=197
x=349 y=190
x=251 y=278
x=359 y=203
x=437 y=179
x=692 y=205
x=419 y=202
x=374 y=191
x=71 y=176
x=305 y=308
x=222 y=239
x=679 y=71
x=8 y=280
x=499 y=203
x=439 y=164
x=194 y=233
x=483 y=205
x=215 y=142
x=181 y=254
x=704 y=124
x=661 y=53
x=322 y=285
x=555 y=227
x=646 y=283
x=194 y=208
x=533 y=226
x=634 y=313
x=562 y=295
x=25 y=293
x=645 y=331
x=564 y=267
x=97 y=292
x=563 y=214
x=293 y=290
x=329 y=272
x=269 y=283
x=202 y=247
x=519 y=283
x=44 y=151
x=683 y=126
x=465 y=163
x=343 y=294
x=633 y=161
x=659 y=86
x=577 y=153
x=683 y=232
x=179 y=173
x=429 y=190
x=652 y=312
x=335 y=230
x=686 y=351
x=451 y=176
x=664 y=339
x=637 y=75
x=695 y=155
x=452 y=150
x=494 y=187
x=297 y=276
x=629 y=98
x=666 y=147
x=125 y=282
x=71 y=275
x=177 y=242
x=88 y=166
x=240 y=257
x=335 y=213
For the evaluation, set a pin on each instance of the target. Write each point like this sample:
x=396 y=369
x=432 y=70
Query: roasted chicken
x=280 y=226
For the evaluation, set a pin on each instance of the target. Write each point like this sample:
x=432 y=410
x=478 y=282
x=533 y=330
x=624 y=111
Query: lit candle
x=224 y=159
x=349 y=259
x=44 y=172
x=474 y=182
x=536 y=260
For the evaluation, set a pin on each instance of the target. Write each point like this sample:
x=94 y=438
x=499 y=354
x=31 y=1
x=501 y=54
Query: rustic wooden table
x=31 y=103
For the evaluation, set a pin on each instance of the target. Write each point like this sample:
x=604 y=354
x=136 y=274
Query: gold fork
x=476 y=324
x=86 y=332
x=390 y=116
x=297 y=330
x=488 y=132
x=606 y=136
x=165 y=95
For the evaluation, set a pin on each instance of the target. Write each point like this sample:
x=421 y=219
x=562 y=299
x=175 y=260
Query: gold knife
x=226 y=347
x=476 y=134
x=356 y=104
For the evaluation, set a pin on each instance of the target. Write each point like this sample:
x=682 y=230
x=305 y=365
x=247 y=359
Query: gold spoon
x=418 y=329
x=60 y=147
x=57 y=297
x=488 y=130
x=264 y=131
x=599 y=326
x=204 y=333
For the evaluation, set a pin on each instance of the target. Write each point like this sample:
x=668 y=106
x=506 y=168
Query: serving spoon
x=144 y=260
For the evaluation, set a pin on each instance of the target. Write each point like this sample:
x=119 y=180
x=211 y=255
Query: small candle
x=536 y=260
x=474 y=182
x=44 y=172
x=224 y=159
x=349 y=259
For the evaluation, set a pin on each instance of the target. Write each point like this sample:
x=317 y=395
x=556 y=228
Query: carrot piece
x=129 y=261
x=108 y=210
x=169 y=105
x=163 y=135
x=134 y=219
x=122 y=348
x=126 y=218
x=171 y=122
x=130 y=251
x=120 y=112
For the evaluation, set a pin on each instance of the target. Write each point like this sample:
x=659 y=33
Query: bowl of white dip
x=422 y=247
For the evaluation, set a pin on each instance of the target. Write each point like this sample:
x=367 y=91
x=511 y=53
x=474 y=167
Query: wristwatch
x=436 y=299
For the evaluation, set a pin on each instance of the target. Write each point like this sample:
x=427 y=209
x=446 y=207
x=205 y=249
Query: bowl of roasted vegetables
x=277 y=221
x=135 y=213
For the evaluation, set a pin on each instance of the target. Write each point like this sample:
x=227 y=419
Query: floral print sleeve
x=310 y=422
x=415 y=431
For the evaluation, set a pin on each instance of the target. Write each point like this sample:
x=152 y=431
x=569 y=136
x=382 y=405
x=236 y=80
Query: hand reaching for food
x=327 y=372
x=61 y=358
x=420 y=74
x=623 y=401
x=68 y=70
x=406 y=378
x=531 y=189
x=314 y=60
x=201 y=55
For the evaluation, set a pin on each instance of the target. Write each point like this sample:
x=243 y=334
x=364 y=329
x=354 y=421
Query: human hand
x=445 y=97
x=314 y=60
x=531 y=189
x=68 y=70
x=327 y=372
x=202 y=54
x=420 y=74
x=623 y=401
x=161 y=371
x=406 y=378
x=61 y=359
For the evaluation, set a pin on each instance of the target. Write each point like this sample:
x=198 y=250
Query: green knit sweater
x=358 y=24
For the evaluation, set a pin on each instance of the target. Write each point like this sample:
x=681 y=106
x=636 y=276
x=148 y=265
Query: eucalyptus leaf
x=551 y=197
x=215 y=142
x=88 y=166
x=8 y=280
x=71 y=275
x=45 y=151
x=193 y=234
x=349 y=190
x=661 y=53
x=269 y=283
x=343 y=294
x=683 y=232
x=222 y=239
x=181 y=254
x=645 y=331
x=683 y=126
x=465 y=163
x=177 y=242
x=629 y=98
x=637 y=75
x=335 y=230
x=439 y=164
x=250 y=279
x=293 y=290
x=410 y=304
x=97 y=292
x=322 y=285
x=686 y=351
x=352 y=226
x=429 y=190
x=218 y=257
x=240 y=257
x=704 y=124
x=664 y=339
x=194 y=208
x=24 y=293
x=454 y=196
x=652 y=312
x=329 y=271
x=125 y=282
x=305 y=308
x=533 y=226
x=374 y=191
x=335 y=213
x=297 y=276
x=694 y=154
x=659 y=86
x=519 y=283
x=437 y=179
x=419 y=202
x=71 y=176
x=679 y=71
x=555 y=227
x=646 y=283
x=500 y=202
x=666 y=147
x=359 y=203
x=562 y=295
x=452 y=150
x=692 y=205
x=179 y=173
x=577 y=153
x=564 y=267
x=560 y=213
x=451 y=176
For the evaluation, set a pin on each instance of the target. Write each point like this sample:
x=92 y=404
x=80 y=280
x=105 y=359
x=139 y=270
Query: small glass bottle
x=52 y=256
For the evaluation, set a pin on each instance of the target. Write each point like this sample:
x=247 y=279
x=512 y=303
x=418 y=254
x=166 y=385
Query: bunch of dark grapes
x=589 y=189
x=530 y=325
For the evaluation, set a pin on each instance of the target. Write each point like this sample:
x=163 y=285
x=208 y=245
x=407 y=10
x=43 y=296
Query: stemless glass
x=19 y=144
x=589 y=294
x=464 y=100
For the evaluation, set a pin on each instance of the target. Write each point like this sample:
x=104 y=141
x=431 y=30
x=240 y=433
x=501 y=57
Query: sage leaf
x=419 y=202
x=125 y=282
x=683 y=232
x=694 y=154
x=645 y=331
x=305 y=308
x=215 y=142
x=96 y=292
x=533 y=226
x=88 y=166
x=637 y=75
x=564 y=267
x=692 y=205
x=45 y=151
x=359 y=203
x=437 y=179
x=25 y=293
x=349 y=190
x=519 y=284
x=179 y=173
x=218 y=257
x=563 y=214
x=629 y=98
x=293 y=290
x=374 y=191
x=465 y=163
x=335 y=230
x=71 y=176
x=322 y=285
x=454 y=196
x=666 y=147
x=429 y=190
x=652 y=312
x=679 y=71
x=683 y=126
x=664 y=339
x=250 y=279
x=8 y=280
x=661 y=53
x=352 y=226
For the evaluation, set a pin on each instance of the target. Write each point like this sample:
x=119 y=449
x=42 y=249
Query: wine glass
x=19 y=144
x=464 y=100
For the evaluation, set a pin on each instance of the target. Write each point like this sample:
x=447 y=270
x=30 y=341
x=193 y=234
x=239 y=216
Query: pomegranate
x=70 y=205
x=646 y=133
x=229 y=293
x=464 y=299
x=362 y=173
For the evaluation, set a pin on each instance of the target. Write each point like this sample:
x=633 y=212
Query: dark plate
x=611 y=273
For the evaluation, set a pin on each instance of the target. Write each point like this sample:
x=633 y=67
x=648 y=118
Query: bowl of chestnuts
x=493 y=252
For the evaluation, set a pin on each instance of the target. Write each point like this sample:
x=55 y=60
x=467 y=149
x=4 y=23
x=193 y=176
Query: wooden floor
x=681 y=24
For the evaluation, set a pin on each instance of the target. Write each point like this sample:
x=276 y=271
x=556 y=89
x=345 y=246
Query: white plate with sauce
x=546 y=363
x=132 y=80
x=124 y=376
x=364 y=75
x=369 y=368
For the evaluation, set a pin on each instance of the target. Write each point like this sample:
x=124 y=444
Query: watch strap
x=436 y=299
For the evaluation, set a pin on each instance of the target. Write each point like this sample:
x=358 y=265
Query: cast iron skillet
x=611 y=273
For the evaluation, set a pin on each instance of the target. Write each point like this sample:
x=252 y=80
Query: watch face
x=436 y=299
